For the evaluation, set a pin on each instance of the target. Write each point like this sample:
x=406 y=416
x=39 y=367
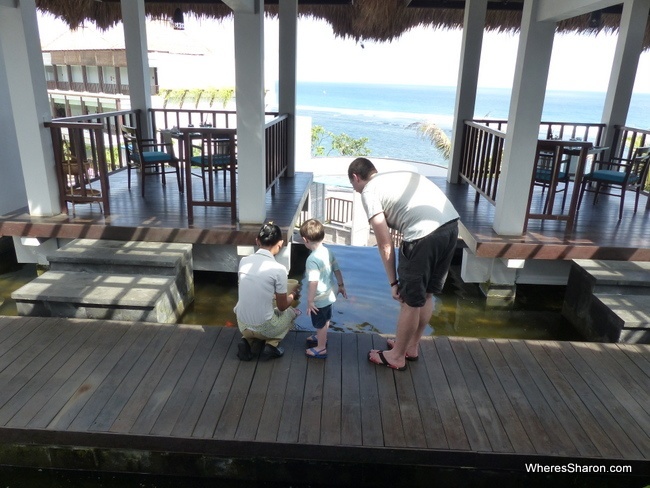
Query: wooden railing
x=277 y=151
x=111 y=123
x=483 y=142
x=80 y=159
x=577 y=131
x=276 y=133
x=481 y=158
x=338 y=210
x=627 y=139
x=168 y=118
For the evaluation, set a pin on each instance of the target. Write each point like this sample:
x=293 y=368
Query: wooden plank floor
x=471 y=403
x=598 y=234
x=161 y=216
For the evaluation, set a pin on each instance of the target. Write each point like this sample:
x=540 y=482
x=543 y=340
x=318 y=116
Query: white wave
x=445 y=120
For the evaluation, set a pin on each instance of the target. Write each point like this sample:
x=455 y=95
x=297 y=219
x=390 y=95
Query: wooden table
x=559 y=148
x=185 y=137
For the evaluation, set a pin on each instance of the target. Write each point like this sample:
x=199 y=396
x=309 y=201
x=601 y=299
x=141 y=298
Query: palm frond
x=437 y=136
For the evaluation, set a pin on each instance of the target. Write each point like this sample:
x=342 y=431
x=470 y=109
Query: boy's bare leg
x=321 y=335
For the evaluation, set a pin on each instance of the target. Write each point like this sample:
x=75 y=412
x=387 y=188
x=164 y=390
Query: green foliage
x=224 y=95
x=175 y=97
x=348 y=146
x=343 y=144
x=318 y=135
x=195 y=95
x=207 y=96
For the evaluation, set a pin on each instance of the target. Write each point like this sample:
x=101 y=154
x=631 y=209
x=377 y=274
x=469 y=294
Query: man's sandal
x=390 y=343
x=384 y=361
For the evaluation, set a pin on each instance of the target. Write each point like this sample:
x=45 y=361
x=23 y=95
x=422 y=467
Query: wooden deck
x=161 y=216
x=598 y=234
x=135 y=397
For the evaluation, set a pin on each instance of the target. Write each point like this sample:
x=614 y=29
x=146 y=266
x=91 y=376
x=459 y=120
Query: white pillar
x=287 y=75
x=526 y=104
x=27 y=108
x=360 y=227
x=470 y=60
x=626 y=60
x=249 y=72
x=137 y=59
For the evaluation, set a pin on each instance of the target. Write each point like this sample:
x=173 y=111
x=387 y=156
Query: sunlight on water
x=461 y=310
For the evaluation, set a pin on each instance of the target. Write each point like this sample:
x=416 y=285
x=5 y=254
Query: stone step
x=101 y=296
x=620 y=317
x=609 y=301
x=615 y=273
x=127 y=257
x=119 y=280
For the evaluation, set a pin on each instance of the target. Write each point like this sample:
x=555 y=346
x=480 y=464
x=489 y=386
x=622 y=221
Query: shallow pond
x=461 y=310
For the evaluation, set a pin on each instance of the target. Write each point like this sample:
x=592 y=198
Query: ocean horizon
x=383 y=112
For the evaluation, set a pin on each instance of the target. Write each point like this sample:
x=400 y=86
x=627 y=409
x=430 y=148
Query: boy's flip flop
x=316 y=353
x=312 y=340
x=390 y=343
x=384 y=361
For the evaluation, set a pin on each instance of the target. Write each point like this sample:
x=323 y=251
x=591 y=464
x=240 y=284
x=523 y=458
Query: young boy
x=321 y=265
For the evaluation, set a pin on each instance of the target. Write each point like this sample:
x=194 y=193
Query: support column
x=626 y=61
x=287 y=75
x=470 y=60
x=526 y=104
x=25 y=109
x=137 y=60
x=249 y=73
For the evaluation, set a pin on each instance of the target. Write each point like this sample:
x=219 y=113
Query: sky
x=428 y=56
x=421 y=56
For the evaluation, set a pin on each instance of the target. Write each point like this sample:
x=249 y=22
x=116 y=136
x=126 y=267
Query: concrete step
x=120 y=280
x=101 y=296
x=615 y=273
x=126 y=257
x=609 y=301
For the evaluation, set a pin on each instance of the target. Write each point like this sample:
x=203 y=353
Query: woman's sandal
x=390 y=343
x=315 y=353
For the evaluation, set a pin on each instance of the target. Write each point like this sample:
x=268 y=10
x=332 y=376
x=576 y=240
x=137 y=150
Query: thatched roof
x=380 y=20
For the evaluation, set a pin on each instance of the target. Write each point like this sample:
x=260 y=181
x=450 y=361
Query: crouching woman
x=262 y=278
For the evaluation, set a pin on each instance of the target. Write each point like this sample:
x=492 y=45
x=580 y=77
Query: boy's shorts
x=320 y=318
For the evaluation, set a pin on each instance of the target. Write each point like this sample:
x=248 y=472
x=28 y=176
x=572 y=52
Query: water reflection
x=460 y=311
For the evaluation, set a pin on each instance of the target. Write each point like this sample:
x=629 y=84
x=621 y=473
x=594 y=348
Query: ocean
x=383 y=113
